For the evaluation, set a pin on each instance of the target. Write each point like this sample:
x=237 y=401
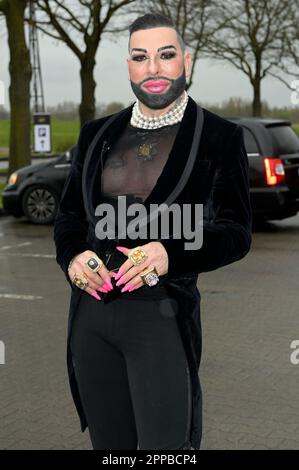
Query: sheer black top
x=131 y=169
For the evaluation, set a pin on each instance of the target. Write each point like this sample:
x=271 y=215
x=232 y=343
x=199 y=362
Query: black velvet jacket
x=219 y=181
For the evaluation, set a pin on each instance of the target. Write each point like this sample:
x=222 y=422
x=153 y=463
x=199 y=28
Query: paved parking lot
x=249 y=314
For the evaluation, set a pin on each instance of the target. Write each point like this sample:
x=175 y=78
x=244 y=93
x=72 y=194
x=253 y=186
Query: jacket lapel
x=177 y=158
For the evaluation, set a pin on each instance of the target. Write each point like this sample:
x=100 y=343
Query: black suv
x=273 y=153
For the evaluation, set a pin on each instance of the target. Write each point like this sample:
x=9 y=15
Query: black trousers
x=132 y=373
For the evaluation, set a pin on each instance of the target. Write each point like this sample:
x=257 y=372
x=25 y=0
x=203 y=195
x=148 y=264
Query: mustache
x=155 y=79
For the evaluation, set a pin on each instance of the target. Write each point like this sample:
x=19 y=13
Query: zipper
x=111 y=250
x=108 y=253
x=108 y=258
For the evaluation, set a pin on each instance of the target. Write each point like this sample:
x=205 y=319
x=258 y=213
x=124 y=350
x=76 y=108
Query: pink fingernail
x=94 y=294
x=108 y=285
x=121 y=247
x=102 y=289
x=120 y=282
x=127 y=287
x=118 y=275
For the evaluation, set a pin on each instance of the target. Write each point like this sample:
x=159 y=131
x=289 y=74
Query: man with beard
x=134 y=336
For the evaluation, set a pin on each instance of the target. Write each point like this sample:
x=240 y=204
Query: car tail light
x=274 y=170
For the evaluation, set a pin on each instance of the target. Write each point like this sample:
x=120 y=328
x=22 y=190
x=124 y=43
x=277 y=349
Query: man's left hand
x=129 y=274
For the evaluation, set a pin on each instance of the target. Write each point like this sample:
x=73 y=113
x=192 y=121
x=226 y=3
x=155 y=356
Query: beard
x=160 y=100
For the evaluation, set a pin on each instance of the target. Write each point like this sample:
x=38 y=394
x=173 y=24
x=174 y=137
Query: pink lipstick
x=156 y=86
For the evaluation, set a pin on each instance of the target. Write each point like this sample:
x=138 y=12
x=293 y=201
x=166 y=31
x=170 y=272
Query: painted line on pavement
x=8 y=247
x=30 y=255
x=20 y=296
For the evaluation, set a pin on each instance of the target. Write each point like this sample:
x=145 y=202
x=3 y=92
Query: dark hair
x=154 y=20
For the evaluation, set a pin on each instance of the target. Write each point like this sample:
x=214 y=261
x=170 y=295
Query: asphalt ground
x=249 y=316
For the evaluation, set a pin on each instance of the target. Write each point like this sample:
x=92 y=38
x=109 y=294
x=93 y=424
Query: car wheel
x=40 y=205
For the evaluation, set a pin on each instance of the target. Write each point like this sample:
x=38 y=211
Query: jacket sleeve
x=70 y=226
x=227 y=222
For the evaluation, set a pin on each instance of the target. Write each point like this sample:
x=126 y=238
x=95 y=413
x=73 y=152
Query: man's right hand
x=101 y=280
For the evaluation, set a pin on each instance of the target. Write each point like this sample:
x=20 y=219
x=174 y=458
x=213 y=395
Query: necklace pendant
x=145 y=151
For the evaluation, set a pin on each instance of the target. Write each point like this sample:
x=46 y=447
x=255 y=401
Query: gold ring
x=137 y=255
x=150 y=277
x=80 y=281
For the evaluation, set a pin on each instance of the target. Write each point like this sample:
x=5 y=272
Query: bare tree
x=19 y=89
x=257 y=39
x=290 y=63
x=80 y=24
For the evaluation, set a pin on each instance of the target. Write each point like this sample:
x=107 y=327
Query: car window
x=284 y=139
x=250 y=142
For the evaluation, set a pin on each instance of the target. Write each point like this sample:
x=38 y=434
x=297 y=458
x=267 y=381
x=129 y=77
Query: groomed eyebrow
x=170 y=46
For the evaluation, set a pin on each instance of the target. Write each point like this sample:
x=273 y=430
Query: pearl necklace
x=172 y=116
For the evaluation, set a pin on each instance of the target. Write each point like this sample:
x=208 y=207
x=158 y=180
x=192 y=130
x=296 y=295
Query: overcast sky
x=213 y=82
